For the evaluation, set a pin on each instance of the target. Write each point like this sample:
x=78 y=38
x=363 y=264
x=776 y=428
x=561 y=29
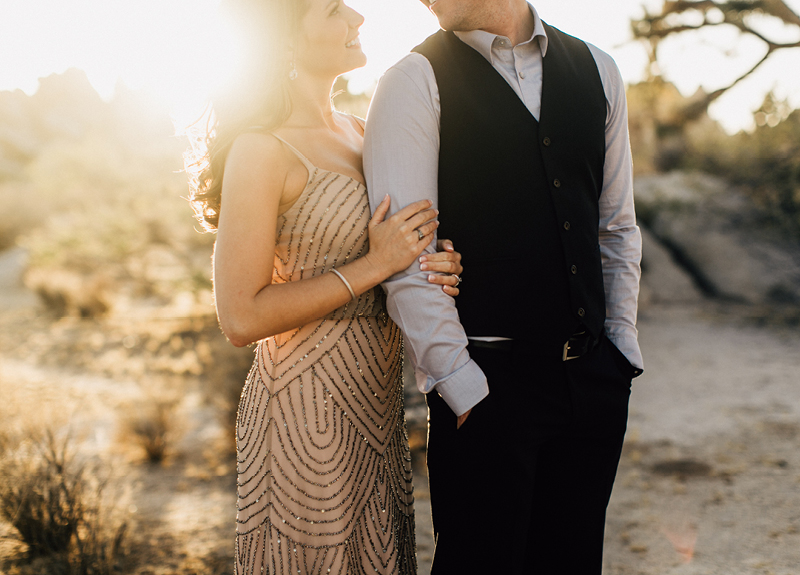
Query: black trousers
x=523 y=486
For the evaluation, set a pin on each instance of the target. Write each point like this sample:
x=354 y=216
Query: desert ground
x=709 y=482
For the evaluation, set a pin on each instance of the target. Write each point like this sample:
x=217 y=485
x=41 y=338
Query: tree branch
x=655 y=27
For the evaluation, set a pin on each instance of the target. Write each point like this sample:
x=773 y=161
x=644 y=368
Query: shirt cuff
x=464 y=389
x=629 y=346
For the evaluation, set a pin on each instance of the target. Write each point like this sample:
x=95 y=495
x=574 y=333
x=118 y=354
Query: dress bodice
x=326 y=228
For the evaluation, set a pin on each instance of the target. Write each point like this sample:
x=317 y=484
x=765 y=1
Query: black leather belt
x=577 y=345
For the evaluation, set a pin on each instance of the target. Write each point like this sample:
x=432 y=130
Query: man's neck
x=514 y=20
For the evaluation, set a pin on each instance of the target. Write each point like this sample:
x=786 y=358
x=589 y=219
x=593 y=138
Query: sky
x=171 y=47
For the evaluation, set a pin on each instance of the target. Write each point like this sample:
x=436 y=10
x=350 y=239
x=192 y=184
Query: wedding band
x=421 y=235
x=458 y=280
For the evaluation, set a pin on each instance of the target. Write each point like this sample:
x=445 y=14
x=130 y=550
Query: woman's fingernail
x=423 y=267
x=431 y=277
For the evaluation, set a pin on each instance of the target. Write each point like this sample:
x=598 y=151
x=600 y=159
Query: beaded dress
x=324 y=467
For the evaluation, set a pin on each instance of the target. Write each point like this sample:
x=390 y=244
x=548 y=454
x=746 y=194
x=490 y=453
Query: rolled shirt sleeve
x=401 y=159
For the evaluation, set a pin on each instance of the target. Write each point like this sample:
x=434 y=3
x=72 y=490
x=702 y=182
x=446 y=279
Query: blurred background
x=118 y=393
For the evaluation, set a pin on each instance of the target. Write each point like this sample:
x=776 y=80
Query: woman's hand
x=446 y=260
x=396 y=242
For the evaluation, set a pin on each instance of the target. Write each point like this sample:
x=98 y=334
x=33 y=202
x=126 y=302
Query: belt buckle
x=566 y=356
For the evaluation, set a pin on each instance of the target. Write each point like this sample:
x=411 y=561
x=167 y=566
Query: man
x=518 y=133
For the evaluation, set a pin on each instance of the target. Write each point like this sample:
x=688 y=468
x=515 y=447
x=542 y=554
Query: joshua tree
x=678 y=16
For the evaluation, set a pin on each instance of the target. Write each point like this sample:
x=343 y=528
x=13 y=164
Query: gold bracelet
x=346 y=283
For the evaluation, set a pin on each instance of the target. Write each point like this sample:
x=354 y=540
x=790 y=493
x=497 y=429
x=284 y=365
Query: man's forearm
x=435 y=342
x=621 y=253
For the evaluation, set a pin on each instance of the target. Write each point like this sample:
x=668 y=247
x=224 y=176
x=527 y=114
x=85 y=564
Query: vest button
x=557 y=183
x=581 y=312
x=546 y=141
x=574 y=270
x=567 y=226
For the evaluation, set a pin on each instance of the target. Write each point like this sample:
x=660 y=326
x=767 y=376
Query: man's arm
x=401 y=158
x=620 y=238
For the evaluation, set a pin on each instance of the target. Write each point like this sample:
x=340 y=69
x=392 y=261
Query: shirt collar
x=483 y=41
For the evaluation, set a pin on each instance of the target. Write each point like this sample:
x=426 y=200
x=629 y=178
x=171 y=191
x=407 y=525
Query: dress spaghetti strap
x=306 y=162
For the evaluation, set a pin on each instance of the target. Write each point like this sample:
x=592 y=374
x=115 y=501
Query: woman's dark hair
x=258 y=96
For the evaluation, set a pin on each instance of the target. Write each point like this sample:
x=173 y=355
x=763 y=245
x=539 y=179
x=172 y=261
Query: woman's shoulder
x=259 y=147
x=260 y=156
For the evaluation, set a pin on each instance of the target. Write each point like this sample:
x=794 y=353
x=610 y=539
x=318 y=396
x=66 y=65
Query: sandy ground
x=710 y=479
x=709 y=482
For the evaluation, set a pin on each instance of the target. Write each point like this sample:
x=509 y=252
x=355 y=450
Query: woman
x=324 y=469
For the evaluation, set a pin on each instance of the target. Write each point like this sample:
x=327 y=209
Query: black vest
x=518 y=197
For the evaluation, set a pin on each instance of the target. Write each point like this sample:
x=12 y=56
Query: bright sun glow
x=171 y=48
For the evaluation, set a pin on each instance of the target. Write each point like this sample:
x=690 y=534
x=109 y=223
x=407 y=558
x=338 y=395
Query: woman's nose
x=356 y=19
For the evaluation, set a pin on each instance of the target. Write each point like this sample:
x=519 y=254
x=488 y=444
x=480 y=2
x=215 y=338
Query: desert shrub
x=47 y=505
x=68 y=293
x=765 y=162
x=96 y=199
x=54 y=501
x=141 y=245
x=151 y=424
x=25 y=215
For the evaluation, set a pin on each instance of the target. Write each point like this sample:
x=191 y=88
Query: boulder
x=664 y=280
x=720 y=237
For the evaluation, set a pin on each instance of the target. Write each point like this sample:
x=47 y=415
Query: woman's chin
x=357 y=62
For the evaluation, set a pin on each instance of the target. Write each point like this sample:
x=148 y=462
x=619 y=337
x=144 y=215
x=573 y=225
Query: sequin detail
x=324 y=467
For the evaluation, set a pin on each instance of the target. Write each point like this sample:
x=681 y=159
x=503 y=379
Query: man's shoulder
x=411 y=64
x=604 y=59
x=606 y=66
x=413 y=68
x=610 y=75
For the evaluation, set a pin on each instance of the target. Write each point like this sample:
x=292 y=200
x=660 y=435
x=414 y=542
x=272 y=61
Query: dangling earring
x=292 y=71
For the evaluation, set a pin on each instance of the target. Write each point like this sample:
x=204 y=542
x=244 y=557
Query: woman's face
x=329 y=43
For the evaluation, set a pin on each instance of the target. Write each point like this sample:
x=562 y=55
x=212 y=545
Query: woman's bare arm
x=249 y=307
